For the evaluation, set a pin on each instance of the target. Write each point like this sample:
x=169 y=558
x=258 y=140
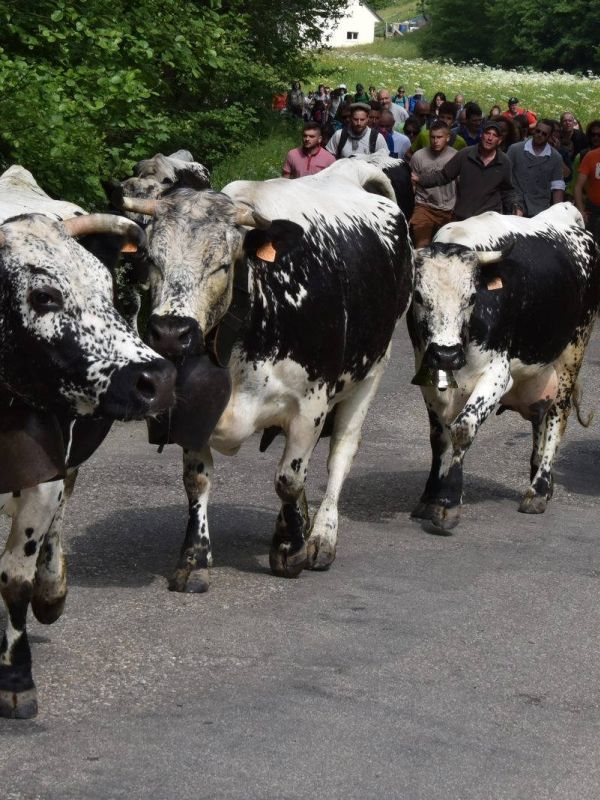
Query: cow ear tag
x=495 y=283
x=267 y=252
x=129 y=247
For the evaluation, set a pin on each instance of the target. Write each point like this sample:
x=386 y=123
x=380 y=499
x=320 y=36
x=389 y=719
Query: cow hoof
x=320 y=556
x=198 y=582
x=423 y=510
x=445 y=519
x=533 y=504
x=190 y=581
x=46 y=611
x=285 y=564
x=19 y=705
x=18 y=695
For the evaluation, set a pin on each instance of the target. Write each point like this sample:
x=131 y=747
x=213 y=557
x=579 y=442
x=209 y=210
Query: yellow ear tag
x=129 y=247
x=267 y=252
x=496 y=283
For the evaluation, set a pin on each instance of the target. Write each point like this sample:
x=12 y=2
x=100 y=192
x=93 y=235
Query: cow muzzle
x=140 y=390
x=437 y=366
x=174 y=337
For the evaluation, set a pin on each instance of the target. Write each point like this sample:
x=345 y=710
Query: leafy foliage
x=558 y=34
x=91 y=86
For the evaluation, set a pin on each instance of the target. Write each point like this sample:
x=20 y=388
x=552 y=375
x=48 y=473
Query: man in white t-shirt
x=357 y=138
x=400 y=113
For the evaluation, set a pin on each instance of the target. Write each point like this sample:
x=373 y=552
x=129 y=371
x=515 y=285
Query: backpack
x=344 y=138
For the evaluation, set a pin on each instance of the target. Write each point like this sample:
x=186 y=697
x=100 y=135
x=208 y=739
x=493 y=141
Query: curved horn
x=245 y=215
x=139 y=206
x=490 y=256
x=105 y=223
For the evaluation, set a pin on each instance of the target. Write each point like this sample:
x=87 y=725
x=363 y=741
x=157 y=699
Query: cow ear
x=32 y=448
x=193 y=176
x=280 y=239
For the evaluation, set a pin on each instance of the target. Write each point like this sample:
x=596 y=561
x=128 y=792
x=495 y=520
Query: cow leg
x=552 y=429
x=287 y=555
x=33 y=513
x=50 y=584
x=192 y=570
x=345 y=439
x=439 y=491
x=444 y=509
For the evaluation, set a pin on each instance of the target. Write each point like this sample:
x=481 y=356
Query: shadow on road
x=131 y=547
x=577 y=468
x=380 y=496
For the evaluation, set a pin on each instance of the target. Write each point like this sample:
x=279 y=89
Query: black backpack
x=344 y=138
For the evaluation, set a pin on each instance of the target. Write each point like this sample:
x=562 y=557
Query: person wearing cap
x=311 y=157
x=417 y=97
x=514 y=110
x=357 y=138
x=537 y=170
x=484 y=177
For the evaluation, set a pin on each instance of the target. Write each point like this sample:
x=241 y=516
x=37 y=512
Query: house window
x=352 y=35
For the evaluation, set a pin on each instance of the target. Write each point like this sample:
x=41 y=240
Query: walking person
x=537 y=171
x=357 y=138
x=433 y=206
x=311 y=157
x=484 y=177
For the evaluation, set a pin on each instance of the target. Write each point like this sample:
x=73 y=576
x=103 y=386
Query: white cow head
x=447 y=278
x=62 y=344
x=195 y=239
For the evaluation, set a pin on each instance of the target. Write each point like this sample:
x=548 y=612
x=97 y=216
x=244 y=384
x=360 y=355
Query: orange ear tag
x=129 y=247
x=267 y=252
x=495 y=283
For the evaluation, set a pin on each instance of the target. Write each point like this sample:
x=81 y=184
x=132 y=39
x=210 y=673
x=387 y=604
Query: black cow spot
x=4 y=577
x=30 y=548
x=296 y=464
x=28 y=532
x=200 y=467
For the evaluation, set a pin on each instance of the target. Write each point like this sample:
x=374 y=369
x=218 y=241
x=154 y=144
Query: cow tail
x=576 y=399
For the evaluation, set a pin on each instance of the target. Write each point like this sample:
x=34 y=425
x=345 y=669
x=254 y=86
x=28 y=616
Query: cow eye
x=45 y=300
x=167 y=181
x=418 y=297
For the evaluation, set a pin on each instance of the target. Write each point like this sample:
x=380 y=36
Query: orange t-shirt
x=590 y=166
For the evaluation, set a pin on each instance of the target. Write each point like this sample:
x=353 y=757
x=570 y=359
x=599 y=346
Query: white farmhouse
x=357 y=26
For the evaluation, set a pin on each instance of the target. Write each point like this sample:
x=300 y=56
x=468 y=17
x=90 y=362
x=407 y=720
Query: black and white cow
x=66 y=358
x=507 y=305
x=328 y=268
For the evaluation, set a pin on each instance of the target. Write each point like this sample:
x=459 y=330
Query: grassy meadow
x=389 y=63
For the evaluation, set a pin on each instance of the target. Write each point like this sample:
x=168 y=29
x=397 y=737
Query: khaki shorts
x=426 y=222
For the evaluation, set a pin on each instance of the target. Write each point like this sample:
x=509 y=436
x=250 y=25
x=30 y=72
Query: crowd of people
x=462 y=161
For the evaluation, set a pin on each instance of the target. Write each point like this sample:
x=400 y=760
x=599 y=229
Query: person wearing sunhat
x=515 y=110
x=417 y=97
x=485 y=177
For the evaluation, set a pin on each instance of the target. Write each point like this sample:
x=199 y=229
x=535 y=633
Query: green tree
x=89 y=87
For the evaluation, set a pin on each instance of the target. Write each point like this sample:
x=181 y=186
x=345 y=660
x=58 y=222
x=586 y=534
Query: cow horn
x=490 y=256
x=140 y=206
x=245 y=215
x=104 y=223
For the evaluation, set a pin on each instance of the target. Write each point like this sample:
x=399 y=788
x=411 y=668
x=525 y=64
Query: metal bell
x=441 y=379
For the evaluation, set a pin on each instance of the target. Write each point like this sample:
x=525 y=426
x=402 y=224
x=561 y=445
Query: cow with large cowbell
x=502 y=312
x=306 y=281
x=69 y=365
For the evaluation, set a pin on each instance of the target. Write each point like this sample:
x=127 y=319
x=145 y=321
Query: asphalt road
x=418 y=667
